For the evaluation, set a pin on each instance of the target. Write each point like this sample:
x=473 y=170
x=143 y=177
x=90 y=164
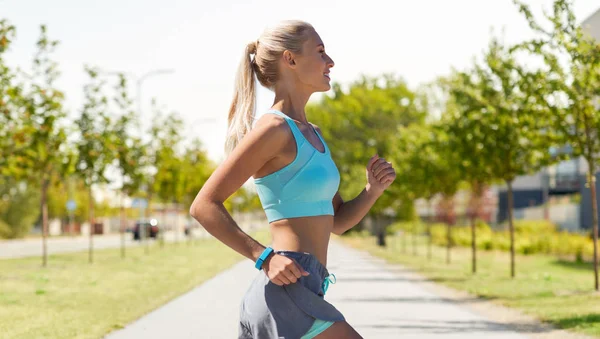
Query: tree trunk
x=122 y=226
x=91 y=249
x=164 y=222
x=404 y=235
x=473 y=244
x=448 y=241
x=429 y=240
x=379 y=230
x=44 y=206
x=592 y=184
x=414 y=238
x=511 y=228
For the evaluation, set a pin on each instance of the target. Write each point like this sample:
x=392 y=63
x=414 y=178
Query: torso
x=304 y=234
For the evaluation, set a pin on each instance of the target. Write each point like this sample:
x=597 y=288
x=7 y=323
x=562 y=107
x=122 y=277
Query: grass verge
x=553 y=290
x=74 y=299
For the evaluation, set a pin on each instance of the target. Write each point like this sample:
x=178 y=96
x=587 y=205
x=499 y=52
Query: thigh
x=340 y=329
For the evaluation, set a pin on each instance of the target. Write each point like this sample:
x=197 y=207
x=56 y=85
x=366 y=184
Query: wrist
x=264 y=256
x=267 y=260
x=372 y=192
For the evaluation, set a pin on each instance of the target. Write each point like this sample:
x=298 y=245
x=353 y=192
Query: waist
x=305 y=234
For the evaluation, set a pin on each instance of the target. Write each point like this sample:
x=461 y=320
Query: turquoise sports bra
x=304 y=187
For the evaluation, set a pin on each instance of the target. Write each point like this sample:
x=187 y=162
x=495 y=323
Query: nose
x=330 y=63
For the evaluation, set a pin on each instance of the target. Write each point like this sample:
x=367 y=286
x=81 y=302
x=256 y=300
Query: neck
x=291 y=100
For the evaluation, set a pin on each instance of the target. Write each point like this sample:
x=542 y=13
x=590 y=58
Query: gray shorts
x=269 y=311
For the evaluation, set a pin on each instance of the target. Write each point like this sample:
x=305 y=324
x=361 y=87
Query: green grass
x=559 y=292
x=74 y=299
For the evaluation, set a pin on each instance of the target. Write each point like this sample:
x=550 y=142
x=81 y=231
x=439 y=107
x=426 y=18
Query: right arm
x=263 y=143
x=258 y=147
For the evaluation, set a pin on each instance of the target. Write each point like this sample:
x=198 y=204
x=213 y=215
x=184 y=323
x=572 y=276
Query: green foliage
x=495 y=122
x=363 y=121
x=197 y=168
x=130 y=151
x=568 y=88
x=62 y=190
x=533 y=237
x=12 y=137
x=19 y=208
x=95 y=147
x=165 y=156
x=568 y=84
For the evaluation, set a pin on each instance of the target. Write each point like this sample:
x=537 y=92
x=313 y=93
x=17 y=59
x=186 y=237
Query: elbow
x=337 y=230
x=196 y=208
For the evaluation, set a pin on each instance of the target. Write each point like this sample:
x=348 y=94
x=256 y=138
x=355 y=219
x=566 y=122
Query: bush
x=531 y=237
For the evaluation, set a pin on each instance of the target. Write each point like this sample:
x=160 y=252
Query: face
x=312 y=66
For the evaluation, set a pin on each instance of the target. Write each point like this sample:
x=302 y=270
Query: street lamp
x=141 y=80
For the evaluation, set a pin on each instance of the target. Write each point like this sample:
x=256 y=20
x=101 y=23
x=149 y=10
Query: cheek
x=311 y=69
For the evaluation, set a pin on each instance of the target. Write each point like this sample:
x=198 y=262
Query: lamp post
x=138 y=99
x=141 y=80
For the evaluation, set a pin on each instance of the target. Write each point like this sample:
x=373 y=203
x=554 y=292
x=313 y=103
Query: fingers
x=278 y=282
x=301 y=269
x=372 y=161
x=388 y=178
x=384 y=173
x=293 y=271
x=289 y=273
x=381 y=166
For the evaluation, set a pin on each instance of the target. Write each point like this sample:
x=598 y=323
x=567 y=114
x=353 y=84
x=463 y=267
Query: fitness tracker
x=263 y=257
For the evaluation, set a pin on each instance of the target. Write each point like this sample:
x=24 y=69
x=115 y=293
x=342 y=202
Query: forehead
x=313 y=39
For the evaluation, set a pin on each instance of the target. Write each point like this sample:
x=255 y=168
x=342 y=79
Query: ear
x=288 y=58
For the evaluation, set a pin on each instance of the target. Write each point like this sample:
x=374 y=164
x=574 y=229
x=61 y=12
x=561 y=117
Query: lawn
x=557 y=291
x=74 y=299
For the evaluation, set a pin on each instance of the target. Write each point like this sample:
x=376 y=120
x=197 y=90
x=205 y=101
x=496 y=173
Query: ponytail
x=243 y=106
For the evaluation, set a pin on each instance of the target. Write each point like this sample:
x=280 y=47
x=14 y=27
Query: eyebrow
x=321 y=45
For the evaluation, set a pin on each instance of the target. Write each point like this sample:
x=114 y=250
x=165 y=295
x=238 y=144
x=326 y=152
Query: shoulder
x=270 y=133
x=271 y=125
x=316 y=128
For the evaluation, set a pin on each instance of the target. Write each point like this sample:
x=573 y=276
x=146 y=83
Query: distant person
x=297 y=182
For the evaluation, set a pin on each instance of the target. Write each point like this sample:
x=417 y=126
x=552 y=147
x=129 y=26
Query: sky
x=202 y=43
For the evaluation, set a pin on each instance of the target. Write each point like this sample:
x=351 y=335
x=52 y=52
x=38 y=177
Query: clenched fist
x=380 y=174
x=283 y=270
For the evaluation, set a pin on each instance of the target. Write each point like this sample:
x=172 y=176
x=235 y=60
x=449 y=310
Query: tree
x=569 y=87
x=449 y=176
x=417 y=162
x=167 y=183
x=467 y=136
x=508 y=120
x=129 y=150
x=95 y=148
x=42 y=113
x=18 y=206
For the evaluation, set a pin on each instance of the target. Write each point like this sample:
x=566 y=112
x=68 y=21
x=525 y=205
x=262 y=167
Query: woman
x=297 y=183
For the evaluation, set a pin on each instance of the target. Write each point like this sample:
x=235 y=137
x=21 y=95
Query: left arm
x=349 y=214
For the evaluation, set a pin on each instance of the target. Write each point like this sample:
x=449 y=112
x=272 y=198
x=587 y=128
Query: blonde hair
x=267 y=50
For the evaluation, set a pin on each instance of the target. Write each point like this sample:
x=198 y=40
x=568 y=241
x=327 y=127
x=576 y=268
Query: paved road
x=379 y=300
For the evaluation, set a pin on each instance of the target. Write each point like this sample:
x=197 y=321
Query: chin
x=325 y=88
